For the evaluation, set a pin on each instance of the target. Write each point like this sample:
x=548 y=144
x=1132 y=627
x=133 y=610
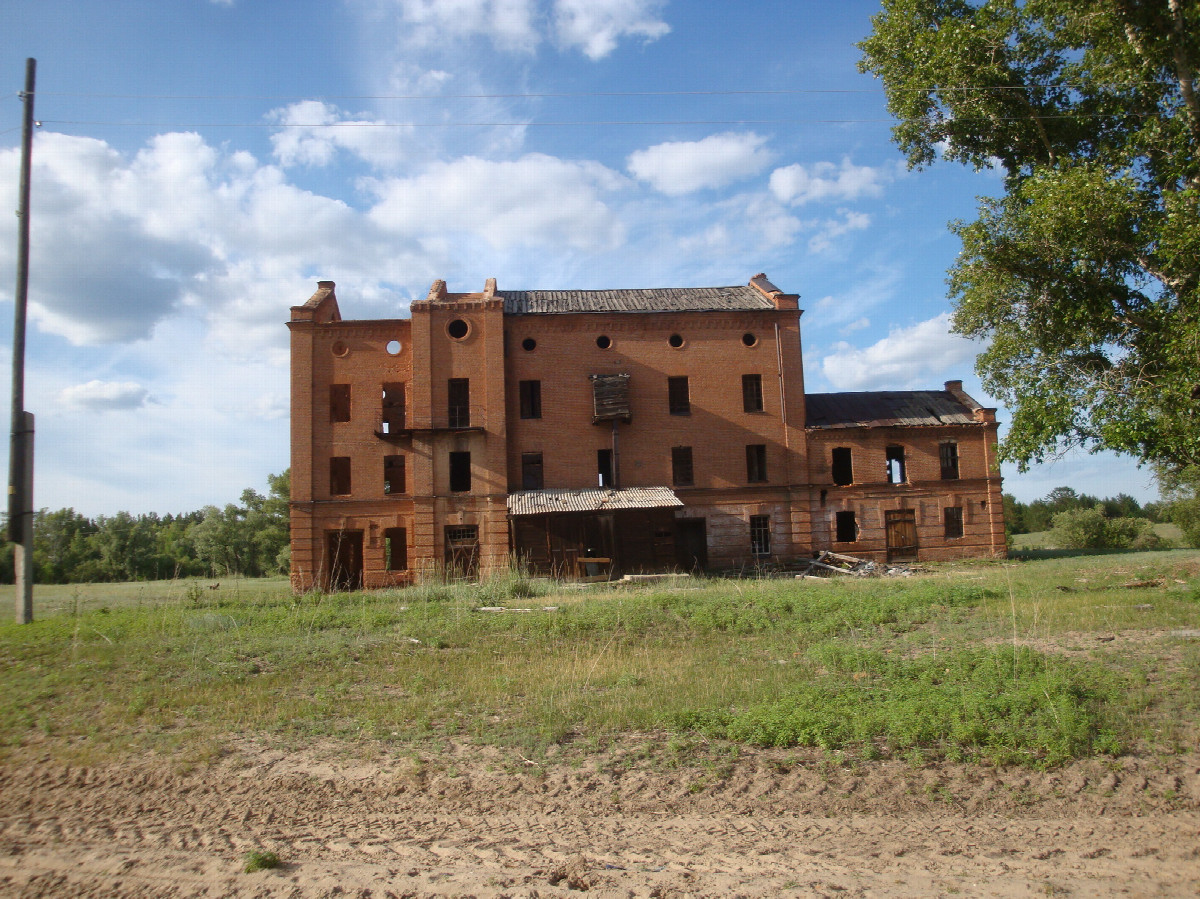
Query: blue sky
x=202 y=163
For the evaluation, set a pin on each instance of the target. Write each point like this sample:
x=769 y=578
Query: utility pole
x=20 y=459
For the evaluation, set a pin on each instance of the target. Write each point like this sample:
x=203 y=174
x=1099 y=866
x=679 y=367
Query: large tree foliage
x=1084 y=277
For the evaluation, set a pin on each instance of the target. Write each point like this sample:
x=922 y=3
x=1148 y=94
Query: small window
x=949 y=457
x=529 y=344
x=393 y=348
x=681 y=466
x=395 y=549
x=604 y=341
x=675 y=340
x=756 y=463
x=531 y=399
x=531 y=471
x=760 y=535
x=393 y=475
x=843 y=466
x=679 y=401
x=339 y=402
x=604 y=468
x=393 y=408
x=847 y=527
x=459 y=402
x=952 y=517
x=339 y=475
x=752 y=395
x=460 y=472
x=458 y=329
x=895 y=465
x=749 y=339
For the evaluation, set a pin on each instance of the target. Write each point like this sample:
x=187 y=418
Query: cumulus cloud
x=312 y=132
x=596 y=26
x=681 y=167
x=907 y=358
x=829 y=230
x=508 y=23
x=798 y=184
x=105 y=395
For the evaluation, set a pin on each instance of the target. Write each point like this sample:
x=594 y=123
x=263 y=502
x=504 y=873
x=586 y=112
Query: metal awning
x=604 y=499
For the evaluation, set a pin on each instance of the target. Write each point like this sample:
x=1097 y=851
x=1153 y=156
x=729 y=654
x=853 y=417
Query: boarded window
x=752 y=395
x=679 y=400
x=949 y=457
x=604 y=468
x=760 y=535
x=531 y=471
x=459 y=402
x=610 y=398
x=895 y=465
x=395 y=548
x=681 y=466
x=847 y=527
x=843 y=466
x=393 y=408
x=531 y=399
x=339 y=402
x=339 y=475
x=393 y=475
x=952 y=516
x=460 y=472
x=756 y=463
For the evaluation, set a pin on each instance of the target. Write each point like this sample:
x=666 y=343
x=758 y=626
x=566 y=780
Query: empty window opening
x=339 y=475
x=952 y=518
x=393 y=475
x=460 y=472
x=749 y=339
x=459 y=402
x=340 y=349
x=895 y=465
x=756 y=463
x=531 y=471
x=675 y=340
x=531 y=399
x=752 y=395
x=339 y=402
x=679 y=400
x=393 y=408
x=604 y=341
x=604 y=468
x=393 y=348
x=760 y=535
x=948 y=453
x=458 y=329
x=395 y=549
x=529 y=344
x=847 y=527
x=843 y=466
x=681 y=466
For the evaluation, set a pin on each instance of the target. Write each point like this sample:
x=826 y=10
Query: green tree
x=1084 y=277
x=1180 y=488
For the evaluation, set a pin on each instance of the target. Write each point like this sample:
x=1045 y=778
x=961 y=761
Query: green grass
x=987 y=661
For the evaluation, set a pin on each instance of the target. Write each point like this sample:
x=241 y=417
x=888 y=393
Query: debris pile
x=827 y=564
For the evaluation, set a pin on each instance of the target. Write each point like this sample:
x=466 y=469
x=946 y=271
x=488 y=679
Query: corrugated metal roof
x=900 y=408
x=665 y=299
x=542 y=502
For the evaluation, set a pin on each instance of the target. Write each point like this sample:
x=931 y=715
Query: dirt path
x=472 y=822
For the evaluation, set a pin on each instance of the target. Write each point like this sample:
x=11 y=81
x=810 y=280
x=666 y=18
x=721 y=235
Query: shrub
x=1092 y=529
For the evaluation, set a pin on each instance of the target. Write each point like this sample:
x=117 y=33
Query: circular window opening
x=528 y=344
x=457 y=329
x=339 y=348
x=749 y=339
x=675 y=340
x=603 y=341
x=393 y=347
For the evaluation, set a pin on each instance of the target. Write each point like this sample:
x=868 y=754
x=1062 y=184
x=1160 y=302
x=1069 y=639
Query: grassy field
x=1033 y=662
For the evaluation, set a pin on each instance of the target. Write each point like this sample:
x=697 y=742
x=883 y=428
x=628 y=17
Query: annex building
x=594 y=433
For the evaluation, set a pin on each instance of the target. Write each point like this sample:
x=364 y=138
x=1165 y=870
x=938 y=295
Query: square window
x=895 y=465
x=393 y=408
x=531 y=399
x=948 y=453
x=460 y=472
x=531 y=471
x=459 y=402
x=681 y=466
x=952 y=517
x=339 y=402
x=847 y=527
x=756 y=463
x=760 y=535
x=679 y=399
x=752 y=394
x=604 y=468
x=395 y=548
x=843 y=466
x=393 y=475
x=339 y=475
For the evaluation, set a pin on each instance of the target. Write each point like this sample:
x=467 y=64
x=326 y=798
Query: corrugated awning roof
x=543 y=502
x=884 y=408
x=665 y=299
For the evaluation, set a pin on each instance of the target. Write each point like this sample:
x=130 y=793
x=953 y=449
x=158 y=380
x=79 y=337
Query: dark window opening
x=603 y=341
x=895 y=465
x=756 y=463
x=847 y=527
x=531 y=471
x=749 y=339
x=604 y=468
x=393 y=475
x=843 y=466
x=339 y=475
x=949 y=458
x=760 y=535
x=529 y=344
x=459 y=402
x=393 y=408
x=395 y=548
x=339 y=402
x=531 y=399
x=458 y=329
x=679 y=401
x=752 y=395
x=675 y=340
x=460 y=472
x=952 y=517
x=681 y=466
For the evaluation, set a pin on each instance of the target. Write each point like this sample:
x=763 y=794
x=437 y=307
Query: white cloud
x=856 y=325
x=313 y=131
x=510 y=24
x=906 y=358
x=831 y=229
x=596 y=26
x=798 y=184
x=680 y=167
x=105 y=395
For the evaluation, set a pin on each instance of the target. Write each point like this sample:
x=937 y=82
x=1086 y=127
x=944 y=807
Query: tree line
x=249 y=539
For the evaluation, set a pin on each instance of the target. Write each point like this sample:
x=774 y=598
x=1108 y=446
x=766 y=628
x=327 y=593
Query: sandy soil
x=477 y=822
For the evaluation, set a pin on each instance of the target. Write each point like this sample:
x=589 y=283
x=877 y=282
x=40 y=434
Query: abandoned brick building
x=591 y=433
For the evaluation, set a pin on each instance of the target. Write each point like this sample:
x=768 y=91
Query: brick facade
x=411 y=439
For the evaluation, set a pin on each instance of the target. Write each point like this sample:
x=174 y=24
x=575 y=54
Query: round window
x=458 y=329
x=339 y=348
x=749 y=339
x=675 y=340
x=603 y=341
x=393 y=347
x=528 y=344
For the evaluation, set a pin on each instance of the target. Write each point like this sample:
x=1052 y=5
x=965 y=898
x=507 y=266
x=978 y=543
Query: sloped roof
x=665 y=299
x=541 y=502
x=883 y=408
